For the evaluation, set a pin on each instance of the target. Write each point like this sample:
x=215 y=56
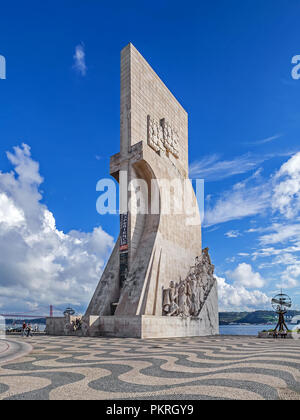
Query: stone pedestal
x=150 y=326
x=145 y=326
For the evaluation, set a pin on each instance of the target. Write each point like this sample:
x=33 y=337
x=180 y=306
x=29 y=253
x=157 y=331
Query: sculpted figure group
x=187 y=297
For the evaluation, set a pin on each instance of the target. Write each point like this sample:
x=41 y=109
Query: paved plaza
x=109 y=368
x=12 y=349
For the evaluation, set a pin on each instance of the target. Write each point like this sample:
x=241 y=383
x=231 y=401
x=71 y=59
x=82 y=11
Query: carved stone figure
x=170 y=138
x=194 y=293
x=183 y=299
x=155 y=135
x=187 y=300
x=170 y=296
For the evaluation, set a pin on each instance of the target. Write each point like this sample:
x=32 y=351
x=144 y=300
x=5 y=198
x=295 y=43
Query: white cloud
x=243 y=275
x=233 y=234
x=286 y=258
x=212 y=168
x=286 y=197
x=242 y=200
x=40 y=265
x=10 y=215
x=238 y=298
x=255 y=195
x=79 y=60
x=266 y=140
x=271 y=251
x=280 y=233
x=290 y=276
x=278 y=198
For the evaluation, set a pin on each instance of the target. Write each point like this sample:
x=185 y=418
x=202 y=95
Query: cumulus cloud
x=243 y=275
x=284 y=254
x=278 y=194
x=79 y=60
x=244 y=199
x=235 y=297
x=290 y=276
x=277 y=197
x=39 y=264
x=286 y=197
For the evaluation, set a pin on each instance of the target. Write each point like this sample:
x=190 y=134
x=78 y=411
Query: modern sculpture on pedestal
x=280 y=304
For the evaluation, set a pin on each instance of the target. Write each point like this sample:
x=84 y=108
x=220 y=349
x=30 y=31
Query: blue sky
x=228 y=63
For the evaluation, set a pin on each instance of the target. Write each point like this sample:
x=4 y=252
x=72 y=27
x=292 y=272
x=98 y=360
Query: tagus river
x=248 y=329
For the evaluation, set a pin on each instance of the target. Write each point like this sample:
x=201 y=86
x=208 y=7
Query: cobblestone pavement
x=190 y=368
x=12 y=349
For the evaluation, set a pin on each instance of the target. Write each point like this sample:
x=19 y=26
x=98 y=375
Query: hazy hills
x=256 y=317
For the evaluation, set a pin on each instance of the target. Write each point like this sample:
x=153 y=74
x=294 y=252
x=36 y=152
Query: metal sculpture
x=69 y=311
x=281 y=303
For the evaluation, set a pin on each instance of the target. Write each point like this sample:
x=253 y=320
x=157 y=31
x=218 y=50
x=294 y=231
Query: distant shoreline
x=253 y=318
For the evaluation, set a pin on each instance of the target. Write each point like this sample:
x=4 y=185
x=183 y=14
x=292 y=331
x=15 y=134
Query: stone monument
x=158 y=281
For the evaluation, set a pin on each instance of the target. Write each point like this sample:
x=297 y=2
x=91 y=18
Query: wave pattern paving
x=191 y=368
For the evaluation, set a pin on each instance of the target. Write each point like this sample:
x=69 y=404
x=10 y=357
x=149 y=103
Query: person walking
x=24 y=328
x=29 y=331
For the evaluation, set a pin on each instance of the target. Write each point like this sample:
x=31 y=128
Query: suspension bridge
x=32 y=314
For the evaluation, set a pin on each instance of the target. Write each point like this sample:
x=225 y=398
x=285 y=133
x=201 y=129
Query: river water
x=247 y=329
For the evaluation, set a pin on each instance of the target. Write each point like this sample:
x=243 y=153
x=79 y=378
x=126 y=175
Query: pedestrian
x=29 y=332
x=24 y=328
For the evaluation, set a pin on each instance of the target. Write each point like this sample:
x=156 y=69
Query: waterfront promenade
x=222 y=367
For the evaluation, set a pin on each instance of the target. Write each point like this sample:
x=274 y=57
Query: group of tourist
x=281 y=334
x=26 y=330
x=76 y=325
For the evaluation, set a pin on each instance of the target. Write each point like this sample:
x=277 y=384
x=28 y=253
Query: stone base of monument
x=147 y=326
x=151 y=326
x=143 y=326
